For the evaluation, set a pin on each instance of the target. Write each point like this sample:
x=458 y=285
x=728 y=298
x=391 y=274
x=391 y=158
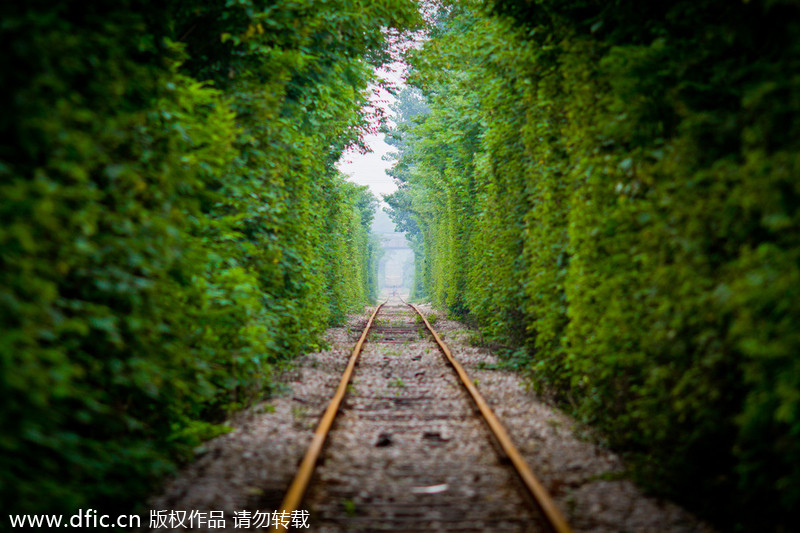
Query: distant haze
x=382 y=223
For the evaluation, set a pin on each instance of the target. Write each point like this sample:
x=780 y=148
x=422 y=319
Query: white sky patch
x=370 y=169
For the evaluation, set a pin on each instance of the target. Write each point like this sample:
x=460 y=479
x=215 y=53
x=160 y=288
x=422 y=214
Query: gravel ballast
x=407 y=451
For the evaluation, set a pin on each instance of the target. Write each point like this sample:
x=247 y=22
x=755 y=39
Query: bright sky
x=370 y=169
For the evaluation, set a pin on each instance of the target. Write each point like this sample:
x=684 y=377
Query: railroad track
x=408 y=444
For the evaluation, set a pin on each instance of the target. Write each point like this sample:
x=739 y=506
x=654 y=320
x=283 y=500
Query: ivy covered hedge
x=612 y=189
x=171 y=225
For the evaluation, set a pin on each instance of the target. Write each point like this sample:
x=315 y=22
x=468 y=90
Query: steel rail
x=297 y=489
x=534 y=487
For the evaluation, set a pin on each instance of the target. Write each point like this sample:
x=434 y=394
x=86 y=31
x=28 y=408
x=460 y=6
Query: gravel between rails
x=408 y=452
x=400 y=460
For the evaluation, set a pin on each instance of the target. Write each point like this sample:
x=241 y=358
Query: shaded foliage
x=172 y=225
x=614 y=188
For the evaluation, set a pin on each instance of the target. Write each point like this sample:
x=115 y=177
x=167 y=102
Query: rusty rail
x=297 y=488
x=302 y=478
x=534 y=487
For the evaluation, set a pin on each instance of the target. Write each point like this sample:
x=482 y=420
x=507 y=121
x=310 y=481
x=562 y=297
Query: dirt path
x=407 y=453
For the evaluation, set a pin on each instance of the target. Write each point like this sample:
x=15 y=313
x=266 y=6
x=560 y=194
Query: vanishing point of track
x=414 y=430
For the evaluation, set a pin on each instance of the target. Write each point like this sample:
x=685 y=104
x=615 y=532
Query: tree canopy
x=610 y=189
x=172 y=225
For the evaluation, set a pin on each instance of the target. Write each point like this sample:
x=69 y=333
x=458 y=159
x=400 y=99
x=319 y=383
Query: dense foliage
x=172 y=223
x=612 y=188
